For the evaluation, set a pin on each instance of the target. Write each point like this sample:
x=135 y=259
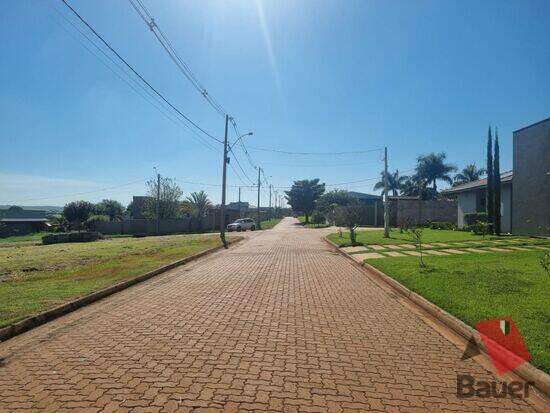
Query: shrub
x=317 y=218
x=481 y=228
x=71 y=237
x=544 y=262
x=349 y=217
x=472 y=217
x=442 y=225
x=94 y=219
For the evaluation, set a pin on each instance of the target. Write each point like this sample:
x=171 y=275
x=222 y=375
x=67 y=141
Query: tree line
x=164 y=201
x=430 y=169
x=339 y=207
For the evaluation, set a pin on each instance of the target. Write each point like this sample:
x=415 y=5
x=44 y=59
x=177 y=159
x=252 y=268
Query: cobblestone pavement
x=279 y=323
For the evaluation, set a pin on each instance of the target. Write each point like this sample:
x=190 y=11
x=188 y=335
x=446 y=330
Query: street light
x=239 y=138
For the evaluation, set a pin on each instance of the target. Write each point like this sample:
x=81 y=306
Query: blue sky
x=327 y=76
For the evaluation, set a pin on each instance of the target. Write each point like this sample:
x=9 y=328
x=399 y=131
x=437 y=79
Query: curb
x=56 y=312
x=526 y=371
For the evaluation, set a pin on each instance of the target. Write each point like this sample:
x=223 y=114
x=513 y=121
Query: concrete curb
x=526 y=371
x=56 y=312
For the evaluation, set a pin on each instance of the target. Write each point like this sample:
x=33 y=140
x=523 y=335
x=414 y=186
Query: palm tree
x=200 y=203
x=470 y=173
x=432 y=168
x=395 y=182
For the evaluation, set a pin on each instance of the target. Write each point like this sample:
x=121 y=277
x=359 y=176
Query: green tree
x=470 y=173
x=170 y=195
x=349 y=216
x=199 y=202
x=329 y=201
x=395 y=182
x=497 y=186
x=417 y=186
x=111 y=208
x=77 y=212
x=303 y=195
x=432 y=168
x=490 y=178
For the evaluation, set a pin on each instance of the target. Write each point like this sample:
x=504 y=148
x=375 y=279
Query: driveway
x=279 y=322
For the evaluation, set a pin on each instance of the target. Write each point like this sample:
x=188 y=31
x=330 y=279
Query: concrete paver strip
x=394 y=247
x=351 y=250
x=366 y=256
x=414 y=253
x=476 y=250
x=394 y=254
x=279 y=323
x=453 y=251
x=408 y=246
x=377 y=247
x=440 y=244
x=436 y=252
x=498 y=249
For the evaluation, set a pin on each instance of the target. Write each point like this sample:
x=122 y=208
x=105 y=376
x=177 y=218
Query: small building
x=525 y=192
x=373 y=208
x=472 y=197
x=22 y=222
x=531 y=196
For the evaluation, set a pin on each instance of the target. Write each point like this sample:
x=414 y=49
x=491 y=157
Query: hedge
x=472 y=217
x=71 y=237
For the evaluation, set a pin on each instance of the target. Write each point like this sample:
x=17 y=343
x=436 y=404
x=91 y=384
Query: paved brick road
x=277 y=323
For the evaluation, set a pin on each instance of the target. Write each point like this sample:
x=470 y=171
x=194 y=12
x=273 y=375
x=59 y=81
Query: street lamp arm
x=239 y=138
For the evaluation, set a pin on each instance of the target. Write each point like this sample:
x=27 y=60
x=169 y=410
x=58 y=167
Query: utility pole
x=386 y=200
x=222 y=208
x=158 y=203
x=270 y=210
x=240 y=215
x=259 y=183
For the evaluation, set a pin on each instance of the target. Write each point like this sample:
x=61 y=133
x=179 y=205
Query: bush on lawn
x=442 y=225
x=317 y=218
x=481 y=228
x=93 y=220
x=71 y=237
x=472 y=217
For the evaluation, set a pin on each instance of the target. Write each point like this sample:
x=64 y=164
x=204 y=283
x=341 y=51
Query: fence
x=415 y=211
x=210 y=222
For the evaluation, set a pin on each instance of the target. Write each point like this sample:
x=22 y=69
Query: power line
x=240 y=166
x=152 y=100
x=314 y=153
x=172 y=53
x=137 y=74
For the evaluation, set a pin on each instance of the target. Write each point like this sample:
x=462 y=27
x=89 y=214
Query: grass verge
x=429 y=235
x=34 y=278
x=482 y=287
x=270 y=223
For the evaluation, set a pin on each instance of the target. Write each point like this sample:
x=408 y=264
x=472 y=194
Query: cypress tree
x=490 y=187
x=496 y=184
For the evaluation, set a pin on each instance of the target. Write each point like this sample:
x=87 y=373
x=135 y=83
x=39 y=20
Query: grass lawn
x=302 y=219
x=34 y=278
x=270 y=223
x=486 y=286
x=429 y=235
x=34 y=237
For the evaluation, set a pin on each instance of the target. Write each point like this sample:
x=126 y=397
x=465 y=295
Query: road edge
x=526 y=371
x=44 y=317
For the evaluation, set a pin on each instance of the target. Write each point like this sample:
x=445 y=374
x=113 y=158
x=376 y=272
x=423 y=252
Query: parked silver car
x=242 y=225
